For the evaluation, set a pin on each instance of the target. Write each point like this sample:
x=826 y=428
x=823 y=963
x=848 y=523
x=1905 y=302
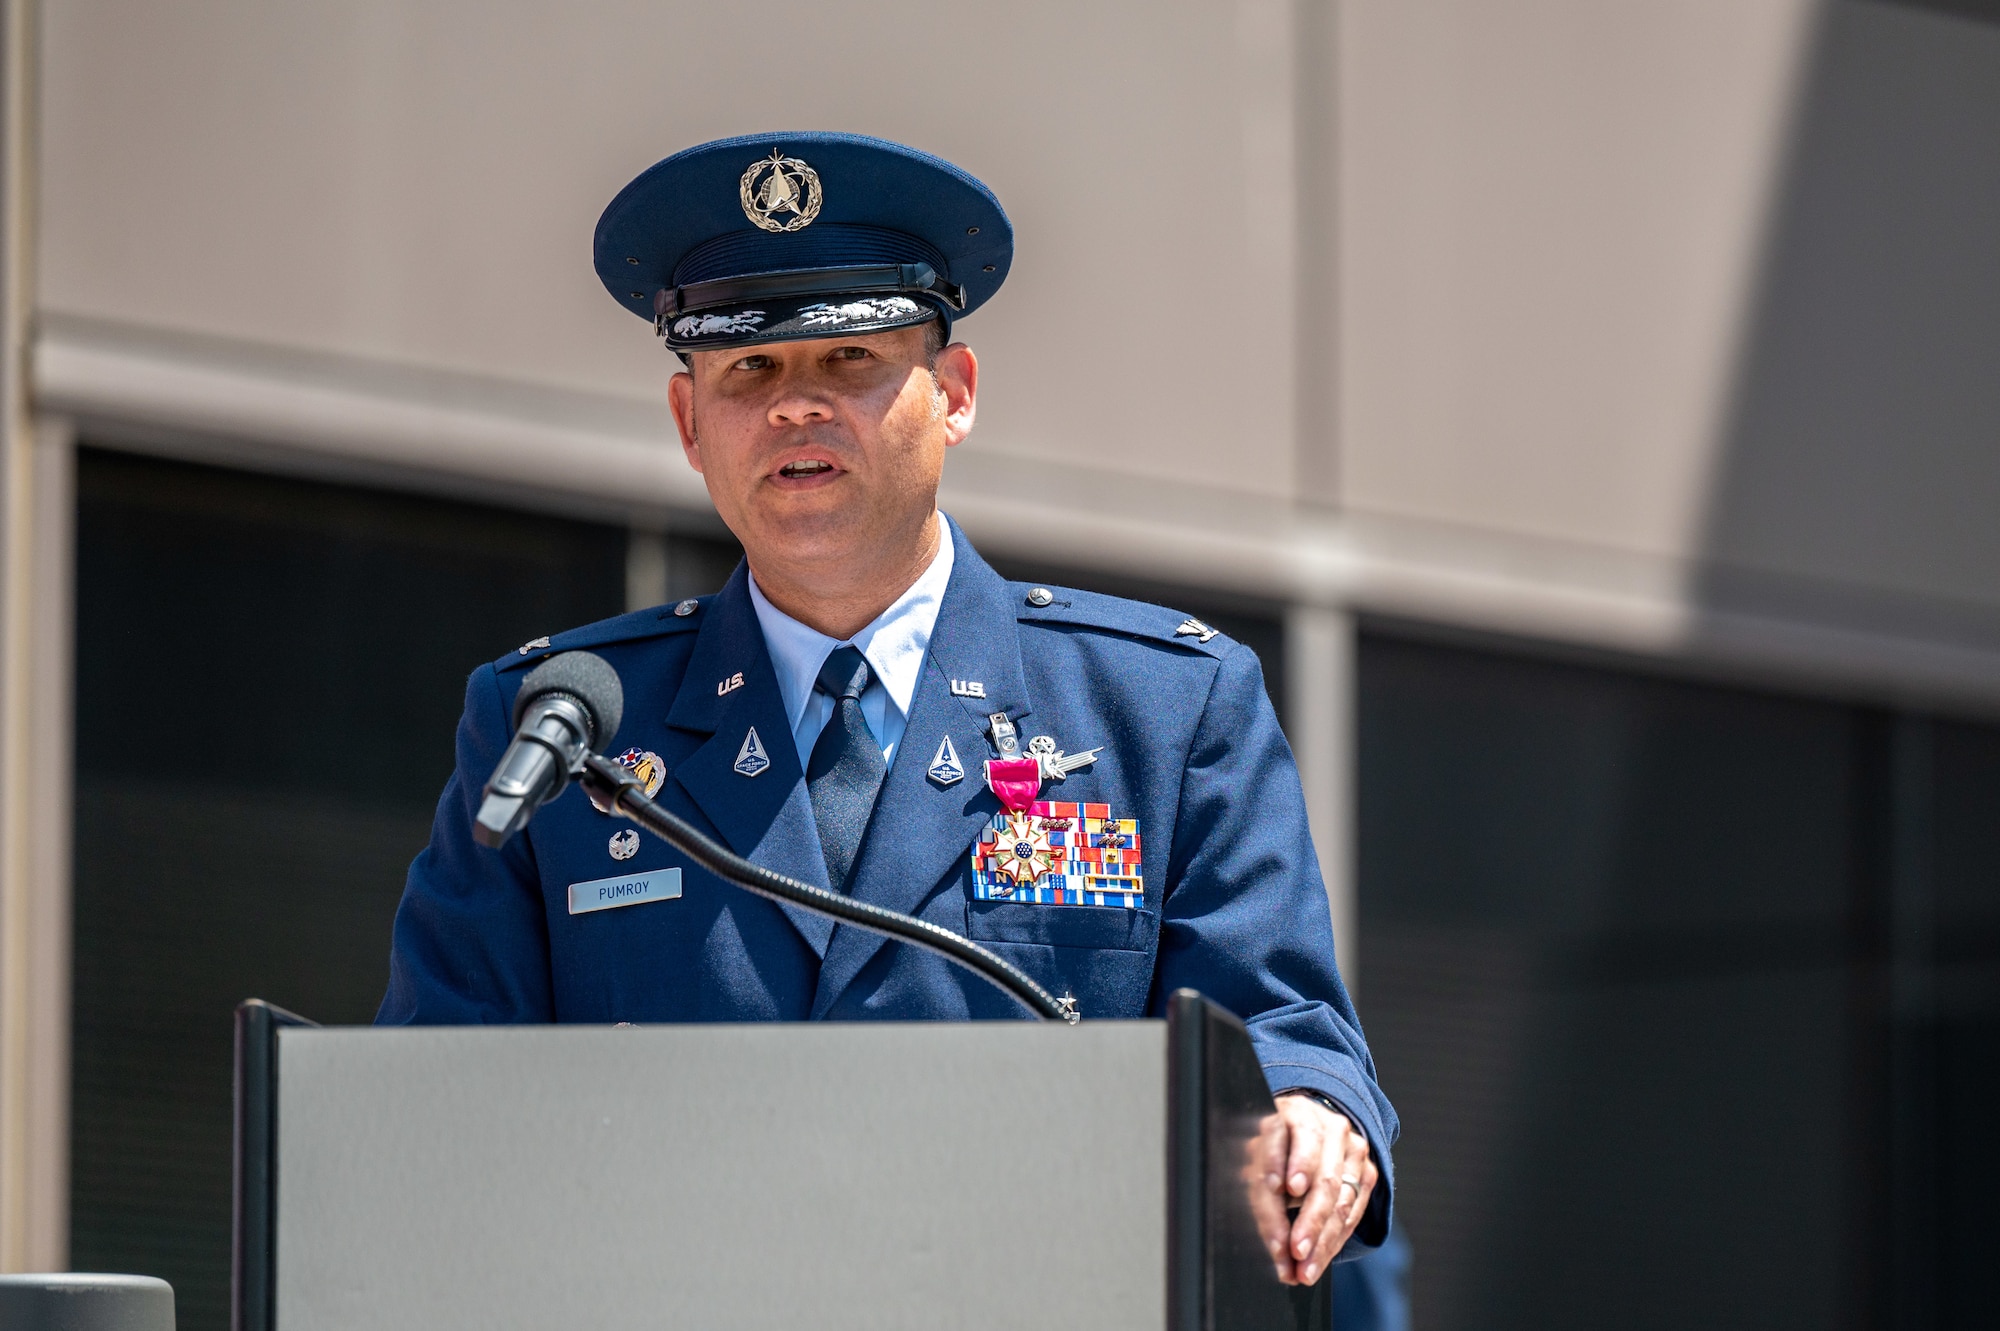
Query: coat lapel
x=767 y=817
x=920 y=832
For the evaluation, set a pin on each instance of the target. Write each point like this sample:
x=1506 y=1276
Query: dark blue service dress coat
x=1233 y=903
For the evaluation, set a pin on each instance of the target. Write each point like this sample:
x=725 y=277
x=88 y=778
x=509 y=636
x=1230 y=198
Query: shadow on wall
x=1858 y=483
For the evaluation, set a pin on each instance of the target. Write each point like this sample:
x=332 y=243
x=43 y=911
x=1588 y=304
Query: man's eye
x=851 y=353
x=753 y=363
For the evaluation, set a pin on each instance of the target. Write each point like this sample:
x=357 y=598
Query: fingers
x=1263 y=1176
x=1355 y=1164
x=1307 y=1122
x=1338 y=1200
x=1353 y=1204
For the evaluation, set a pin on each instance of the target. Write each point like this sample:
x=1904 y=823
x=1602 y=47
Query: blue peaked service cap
x=782 y=237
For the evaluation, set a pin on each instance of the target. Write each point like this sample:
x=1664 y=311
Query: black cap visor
x=796 y=319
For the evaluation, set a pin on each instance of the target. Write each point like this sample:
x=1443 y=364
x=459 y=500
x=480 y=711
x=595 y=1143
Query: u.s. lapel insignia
x=1194 y=628
x=1056 y=765
x=945 y=768
x=648 y=766
x=751 y=758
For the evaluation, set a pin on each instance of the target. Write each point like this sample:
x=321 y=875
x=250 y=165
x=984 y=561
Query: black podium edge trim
x=255 y=1150
x=1187 y=1161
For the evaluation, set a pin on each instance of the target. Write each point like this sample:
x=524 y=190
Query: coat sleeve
x=1246 y=922
x=471 y=939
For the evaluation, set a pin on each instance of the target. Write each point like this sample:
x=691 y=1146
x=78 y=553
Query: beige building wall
x=417 y=184
x=1513 y=315
x=1688 y=309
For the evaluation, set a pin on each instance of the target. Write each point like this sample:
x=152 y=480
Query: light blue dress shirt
x=894 y=644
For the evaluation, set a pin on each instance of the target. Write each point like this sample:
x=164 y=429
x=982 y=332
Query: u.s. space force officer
x=830 y=712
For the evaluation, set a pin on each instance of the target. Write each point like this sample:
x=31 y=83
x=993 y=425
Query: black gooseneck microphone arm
x=614 y=789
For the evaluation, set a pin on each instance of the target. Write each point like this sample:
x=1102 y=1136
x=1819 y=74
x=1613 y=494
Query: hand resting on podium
x=1313 y=1158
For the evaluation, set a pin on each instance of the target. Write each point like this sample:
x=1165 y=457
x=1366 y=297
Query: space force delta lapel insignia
x=1059 y=854
x=945 y=768
x=751 y=758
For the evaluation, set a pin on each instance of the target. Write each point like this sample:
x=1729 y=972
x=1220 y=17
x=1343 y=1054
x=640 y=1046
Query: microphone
x=568 y=705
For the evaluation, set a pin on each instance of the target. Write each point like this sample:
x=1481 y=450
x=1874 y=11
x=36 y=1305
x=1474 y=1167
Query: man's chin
x=802 y=530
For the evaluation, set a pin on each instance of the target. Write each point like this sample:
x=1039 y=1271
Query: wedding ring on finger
x=1351 y=1181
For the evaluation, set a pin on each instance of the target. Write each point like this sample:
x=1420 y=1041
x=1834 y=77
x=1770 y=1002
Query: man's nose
x=798 y=402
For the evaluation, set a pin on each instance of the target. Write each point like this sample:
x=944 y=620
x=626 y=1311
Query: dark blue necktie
x=846 y=768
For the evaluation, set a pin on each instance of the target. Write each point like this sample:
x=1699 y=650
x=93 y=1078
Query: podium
x=827 y=1175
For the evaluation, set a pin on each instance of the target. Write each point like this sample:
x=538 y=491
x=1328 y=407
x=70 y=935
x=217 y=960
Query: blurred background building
x=1590 y=409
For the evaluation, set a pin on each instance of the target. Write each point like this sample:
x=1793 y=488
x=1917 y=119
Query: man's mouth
x=799 y=470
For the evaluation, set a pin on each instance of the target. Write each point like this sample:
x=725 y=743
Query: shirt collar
x=894 y=643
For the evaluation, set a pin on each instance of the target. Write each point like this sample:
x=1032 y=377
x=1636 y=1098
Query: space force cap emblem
x=780 y=193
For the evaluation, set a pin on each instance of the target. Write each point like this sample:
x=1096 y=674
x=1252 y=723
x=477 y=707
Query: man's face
x=824 y=450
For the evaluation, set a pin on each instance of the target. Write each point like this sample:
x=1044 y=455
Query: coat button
x=1040 y=596
x=686 y=608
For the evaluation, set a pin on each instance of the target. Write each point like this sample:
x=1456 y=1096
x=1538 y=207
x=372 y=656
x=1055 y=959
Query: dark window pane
x=269 y=674
x=1605 y=966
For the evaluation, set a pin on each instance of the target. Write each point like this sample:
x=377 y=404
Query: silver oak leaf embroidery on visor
x=708 y=325
x=859 y=311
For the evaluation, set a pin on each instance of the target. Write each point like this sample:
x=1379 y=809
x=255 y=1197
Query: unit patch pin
x=647 y=766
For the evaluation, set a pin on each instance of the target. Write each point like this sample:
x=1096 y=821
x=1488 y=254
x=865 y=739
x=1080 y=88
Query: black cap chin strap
x=908 y=279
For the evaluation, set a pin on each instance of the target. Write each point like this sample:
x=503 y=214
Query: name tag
x=604 y=893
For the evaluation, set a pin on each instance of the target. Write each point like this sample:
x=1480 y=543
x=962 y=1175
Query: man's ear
x=958 y=379
x=680 y=398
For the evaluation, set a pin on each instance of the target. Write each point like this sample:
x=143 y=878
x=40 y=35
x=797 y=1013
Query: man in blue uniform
x=831 y=712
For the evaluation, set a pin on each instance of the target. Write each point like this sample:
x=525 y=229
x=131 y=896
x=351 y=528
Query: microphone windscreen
x=584 y=676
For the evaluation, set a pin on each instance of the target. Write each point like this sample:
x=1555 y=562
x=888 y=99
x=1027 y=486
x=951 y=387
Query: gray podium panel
x=979 y=1175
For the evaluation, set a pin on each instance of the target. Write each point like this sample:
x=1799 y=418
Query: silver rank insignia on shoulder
x=1055 y=764
x=751 y=758
x=624 y=845
x=945 y=768
x=532 y=645
x=1194 y=628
